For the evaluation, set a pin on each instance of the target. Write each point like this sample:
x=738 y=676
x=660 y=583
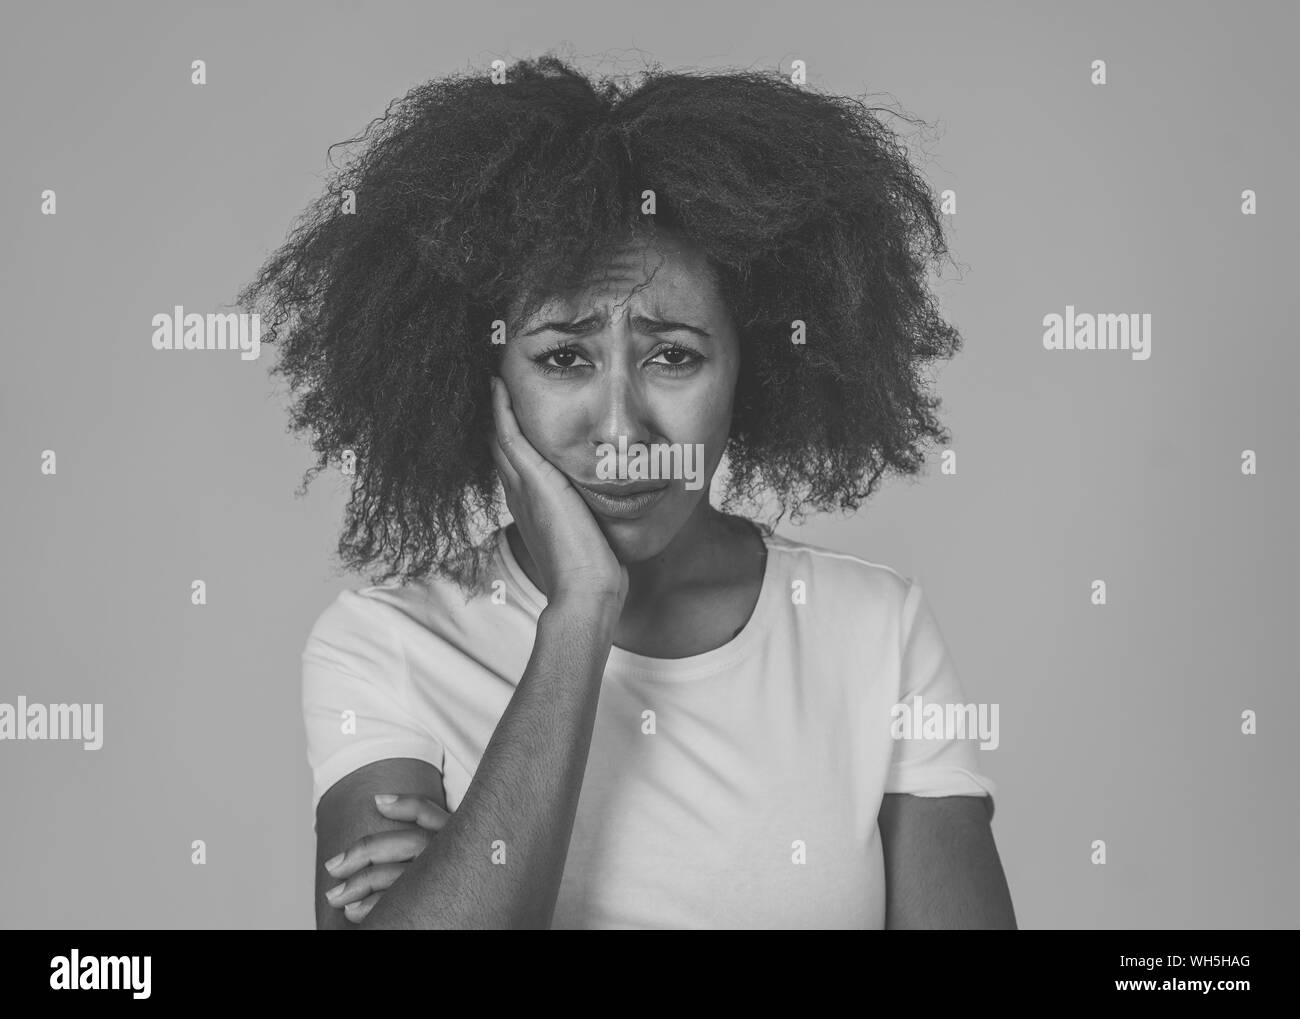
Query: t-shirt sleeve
x=935 y=760
x=355 y=702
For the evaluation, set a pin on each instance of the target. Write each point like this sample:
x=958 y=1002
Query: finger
x=381 y=847
x=518 y=450
x=368 y=881
x=510 y=483
x=509 y=476
x=510 y=480
x=420 y=809
x=356 y=911
x=522 y=457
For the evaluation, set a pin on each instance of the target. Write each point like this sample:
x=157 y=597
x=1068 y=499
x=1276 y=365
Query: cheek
x=705 y=417
x=545 y=419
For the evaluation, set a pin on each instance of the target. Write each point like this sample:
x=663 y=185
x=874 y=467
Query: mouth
x=622 y=502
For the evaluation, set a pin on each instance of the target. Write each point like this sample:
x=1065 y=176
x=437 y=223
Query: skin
x=657 y=364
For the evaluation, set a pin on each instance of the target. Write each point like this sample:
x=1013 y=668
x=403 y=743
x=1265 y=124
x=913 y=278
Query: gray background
x=1118 y=723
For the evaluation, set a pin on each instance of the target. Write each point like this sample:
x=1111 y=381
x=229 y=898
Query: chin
x=635 y=541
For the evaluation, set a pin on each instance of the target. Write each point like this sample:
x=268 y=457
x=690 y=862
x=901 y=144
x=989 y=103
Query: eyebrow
x=645 y=323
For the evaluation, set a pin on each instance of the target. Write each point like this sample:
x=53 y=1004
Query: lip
x=621 y=502
x=627 y=488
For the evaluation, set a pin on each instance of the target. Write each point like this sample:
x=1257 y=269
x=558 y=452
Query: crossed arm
x=942 y=869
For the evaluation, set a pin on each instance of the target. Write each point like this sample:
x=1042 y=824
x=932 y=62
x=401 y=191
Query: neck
x=699 y=550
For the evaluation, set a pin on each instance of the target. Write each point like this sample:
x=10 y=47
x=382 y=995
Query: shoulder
x=842 y=575
x=359 y=617
x=423 y=629
x=380 y=612
x=434 y=603
x=370 y=631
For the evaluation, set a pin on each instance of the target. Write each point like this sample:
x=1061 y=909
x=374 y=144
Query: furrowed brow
x=644 y=323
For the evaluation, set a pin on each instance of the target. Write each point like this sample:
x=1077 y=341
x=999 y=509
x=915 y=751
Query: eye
x=680 y=359
x=564 y=355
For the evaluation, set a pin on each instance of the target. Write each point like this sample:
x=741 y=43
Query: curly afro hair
x=474 y=198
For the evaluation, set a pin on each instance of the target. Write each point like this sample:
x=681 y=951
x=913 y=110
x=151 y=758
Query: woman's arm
x=499 y=859
x=942 y=870
x=349 y=821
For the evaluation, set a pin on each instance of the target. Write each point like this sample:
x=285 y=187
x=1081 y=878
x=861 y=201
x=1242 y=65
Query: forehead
x=661 y=272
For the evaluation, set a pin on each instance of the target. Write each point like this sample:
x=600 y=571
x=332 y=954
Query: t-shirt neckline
x=622 y=661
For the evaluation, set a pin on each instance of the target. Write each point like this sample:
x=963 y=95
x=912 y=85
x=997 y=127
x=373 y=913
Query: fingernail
x=335 y=892
x=385 y=798
x=334 y=861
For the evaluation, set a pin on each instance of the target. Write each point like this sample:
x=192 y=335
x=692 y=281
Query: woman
x=629 y=707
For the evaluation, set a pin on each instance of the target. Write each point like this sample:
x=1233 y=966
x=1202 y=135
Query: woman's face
x=653 y=370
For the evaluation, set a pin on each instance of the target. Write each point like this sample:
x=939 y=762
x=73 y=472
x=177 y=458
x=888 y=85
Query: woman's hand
x=558 y=528
x=376 y=861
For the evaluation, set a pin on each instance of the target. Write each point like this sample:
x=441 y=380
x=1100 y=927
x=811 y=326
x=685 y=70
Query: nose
x=620 y=408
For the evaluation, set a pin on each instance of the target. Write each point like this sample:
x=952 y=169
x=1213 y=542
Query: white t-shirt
x=749 y=799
